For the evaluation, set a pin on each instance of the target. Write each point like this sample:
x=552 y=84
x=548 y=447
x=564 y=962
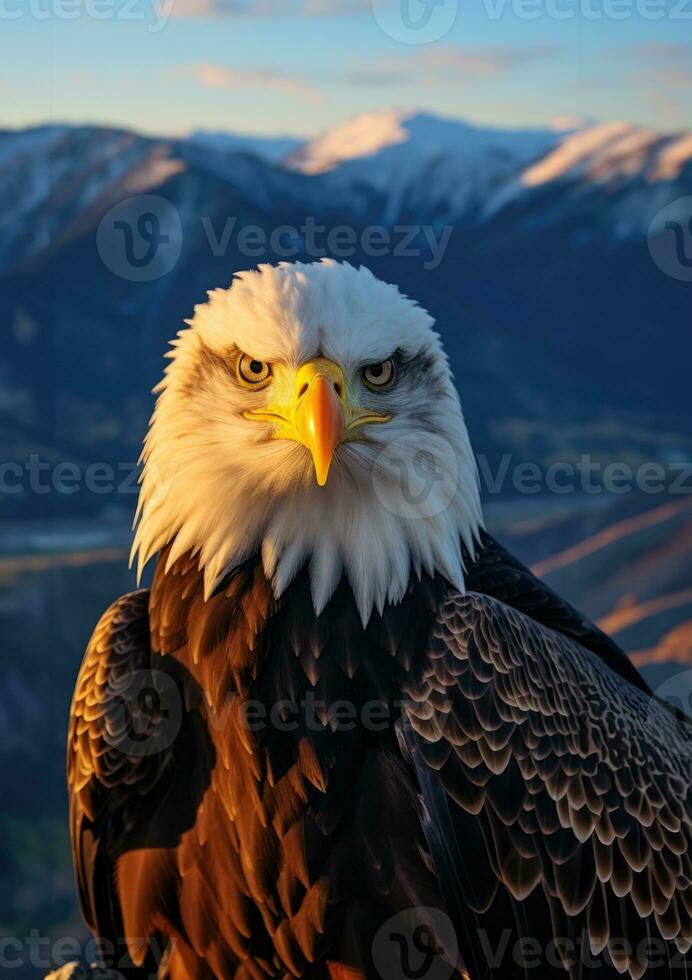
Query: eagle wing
x=118 y=749
x=559 y=799
x=495 y=571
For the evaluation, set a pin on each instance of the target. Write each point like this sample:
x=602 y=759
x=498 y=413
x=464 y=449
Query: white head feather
x=218 y=485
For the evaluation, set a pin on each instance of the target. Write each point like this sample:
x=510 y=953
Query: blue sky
x=301 y=66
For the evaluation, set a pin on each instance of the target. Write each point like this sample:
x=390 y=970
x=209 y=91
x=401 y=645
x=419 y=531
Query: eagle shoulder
x=118 y=646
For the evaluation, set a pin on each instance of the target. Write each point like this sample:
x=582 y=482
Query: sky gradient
x=300 y=66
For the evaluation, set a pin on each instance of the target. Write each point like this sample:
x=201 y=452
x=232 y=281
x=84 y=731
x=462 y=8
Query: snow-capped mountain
x=448 y=169
x=420 y=161
x=51 y=177
x=639 y=168
x=57 y=180
x=376 y=146
x=388 y=167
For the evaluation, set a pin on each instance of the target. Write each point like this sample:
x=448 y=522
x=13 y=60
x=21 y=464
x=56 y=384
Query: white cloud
x=449 y=63
x=223 y=77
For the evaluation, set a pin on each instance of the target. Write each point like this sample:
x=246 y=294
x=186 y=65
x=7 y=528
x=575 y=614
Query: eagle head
x=308 y=414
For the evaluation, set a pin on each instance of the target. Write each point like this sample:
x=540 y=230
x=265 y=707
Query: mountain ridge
x=394 y=166
x=553 y=353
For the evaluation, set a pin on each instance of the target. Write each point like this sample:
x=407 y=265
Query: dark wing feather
x=498 y=573
x=559 y=797
x=107 y=773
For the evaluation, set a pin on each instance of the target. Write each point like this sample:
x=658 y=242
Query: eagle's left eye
x=379 y=375
x=253 y=372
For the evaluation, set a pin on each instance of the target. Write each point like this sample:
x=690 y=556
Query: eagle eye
x=379 y=375
x=252 y=372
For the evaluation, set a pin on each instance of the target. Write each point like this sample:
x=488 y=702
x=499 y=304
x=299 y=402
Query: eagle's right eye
x=252 y=372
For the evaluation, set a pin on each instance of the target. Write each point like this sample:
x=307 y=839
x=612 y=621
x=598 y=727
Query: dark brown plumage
x=503 y=763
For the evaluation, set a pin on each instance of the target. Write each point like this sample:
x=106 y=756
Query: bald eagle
x=345 y=733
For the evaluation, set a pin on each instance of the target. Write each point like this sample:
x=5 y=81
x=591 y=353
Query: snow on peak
x=360 y=137
x=420 y=161
x=613 y=151
x=410 y=138
x=614 y=156
x=599 y=153
x=671 y=158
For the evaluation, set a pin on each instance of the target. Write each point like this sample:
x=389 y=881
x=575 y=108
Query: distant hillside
x=627 y=563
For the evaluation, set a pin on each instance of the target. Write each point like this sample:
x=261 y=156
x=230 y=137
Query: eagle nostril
x=337 y=388
x=302 y=391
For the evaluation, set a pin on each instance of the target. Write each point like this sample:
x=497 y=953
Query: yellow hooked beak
x=320 y=415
